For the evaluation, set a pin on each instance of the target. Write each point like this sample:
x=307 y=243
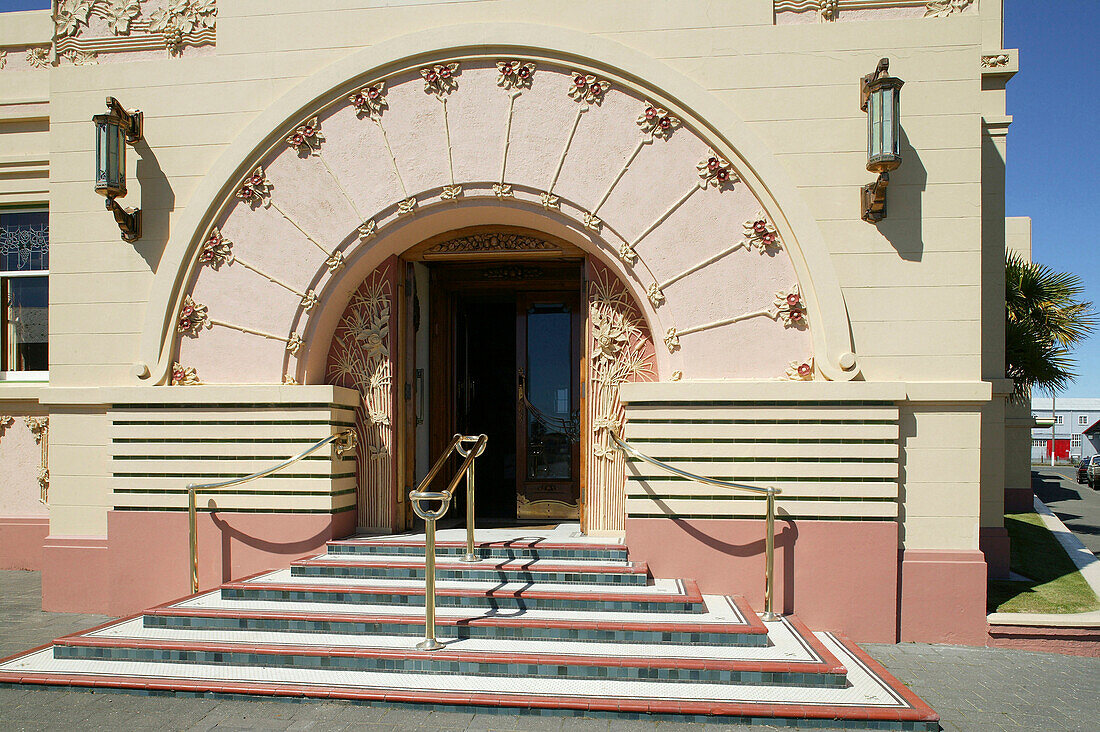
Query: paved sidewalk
x=972 y=688
x=1077 y=505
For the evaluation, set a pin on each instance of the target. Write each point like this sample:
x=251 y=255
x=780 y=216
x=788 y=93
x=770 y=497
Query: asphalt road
x=1076 y=504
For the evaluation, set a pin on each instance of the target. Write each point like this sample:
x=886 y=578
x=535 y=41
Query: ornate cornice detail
x=440 y=79
x=126 y=28
x=943 y=8
x=515 y=74
x=995 y=60
x=490 y=244
x=307 y=138
x=587 y=89
x=184 y=375
x=657 y=121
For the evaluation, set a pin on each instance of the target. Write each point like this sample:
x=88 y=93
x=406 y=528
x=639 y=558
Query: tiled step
x=510 y=549
x=872 y=699
x=796 y=657
x=728 y=621
x=487 y=570
x=663 y=596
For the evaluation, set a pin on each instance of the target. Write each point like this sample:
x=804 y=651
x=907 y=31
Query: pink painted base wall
x=1066 y=641
x=143 y=561
x=943 y=597
x=21 y=540
x=836 y=575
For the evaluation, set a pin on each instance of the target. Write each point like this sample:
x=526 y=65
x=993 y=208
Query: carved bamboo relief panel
x=362 y=357
x=620 y=350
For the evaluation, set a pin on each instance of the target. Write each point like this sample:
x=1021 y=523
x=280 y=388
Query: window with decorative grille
x=24 y=287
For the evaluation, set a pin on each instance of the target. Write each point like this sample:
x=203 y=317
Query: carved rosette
x=440 y=79
x=367 y=229
x=360 y=358
x=548 y=201
x=761 y=235
x=672 y=340
x=406 y=207
x=451 y=192
x=591 y=221
x=789 y=308
x=503 y=190
x=801 y=370
x=515 y=74
x=655 y=295
x=307 y=138
x=588 y=89
x=193 y=317
x=255 y=189
x=657 y=121
x=716 y=171
x=216 y=250
x=620 y=351
x=370 y=101
x=184 y=375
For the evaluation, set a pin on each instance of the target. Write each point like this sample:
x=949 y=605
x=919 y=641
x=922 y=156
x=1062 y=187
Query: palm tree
x=1044 y=320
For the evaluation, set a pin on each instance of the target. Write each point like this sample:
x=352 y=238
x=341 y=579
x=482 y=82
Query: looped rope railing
x=769 y=493
x=431 y=515
x=344 y=441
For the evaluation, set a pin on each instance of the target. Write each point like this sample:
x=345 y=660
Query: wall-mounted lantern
x=112 y=131
x=879 y=98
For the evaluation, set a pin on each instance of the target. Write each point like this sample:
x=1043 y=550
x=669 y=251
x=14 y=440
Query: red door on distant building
x=1061 y=449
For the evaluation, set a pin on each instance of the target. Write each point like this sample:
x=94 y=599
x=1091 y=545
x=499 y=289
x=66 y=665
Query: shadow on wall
x=157 y=203
x=903 y=226
x=291 y=549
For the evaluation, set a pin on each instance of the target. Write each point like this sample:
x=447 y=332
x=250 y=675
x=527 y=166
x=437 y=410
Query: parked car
x=1094 y=472
x=1083 y=469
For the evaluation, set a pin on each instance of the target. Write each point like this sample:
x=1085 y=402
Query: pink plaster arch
x=476 y=179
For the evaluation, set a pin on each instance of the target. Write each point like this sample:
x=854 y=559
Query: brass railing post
x=429 y=643
x=769 y=558
x=470 y=555
x=193 y=539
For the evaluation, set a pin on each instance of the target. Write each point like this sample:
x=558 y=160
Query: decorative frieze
x=495 y=243
x=995 y=61
x=130 y=26
x=943 y=8
x=38 y=57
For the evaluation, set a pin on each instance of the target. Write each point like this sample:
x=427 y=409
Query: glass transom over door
x=548 y=420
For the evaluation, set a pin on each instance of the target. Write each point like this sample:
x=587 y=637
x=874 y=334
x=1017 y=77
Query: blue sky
x=1053 y=148
x=1052 y=144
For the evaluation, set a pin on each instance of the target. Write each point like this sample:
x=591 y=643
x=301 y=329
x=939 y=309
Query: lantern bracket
x=882 y=70
x=132 y=122
x=873 y=197
x=128 y=220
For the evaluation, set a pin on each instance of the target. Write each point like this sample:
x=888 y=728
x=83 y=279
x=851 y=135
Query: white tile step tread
x=865 y=689
x=561 y=534
x=284 y=577
x=719 y=611
x=786 y=644
x=488 y=562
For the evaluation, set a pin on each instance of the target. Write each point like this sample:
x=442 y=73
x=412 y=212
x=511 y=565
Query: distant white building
x=1076 y=431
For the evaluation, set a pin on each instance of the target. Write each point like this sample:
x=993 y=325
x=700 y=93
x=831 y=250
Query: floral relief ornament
x=184 y=375
x=515 y=74
x=789 y=308
x=256 y=188
x=439 y=79
x=801 y=370
x=370 y=101
x=38 y=58
x=943 y=8
x=120 y=15
x=307 y=138
x=193 y=318
x=3 y=58
x=70 y=15
x=216 y=250
x=760 y=234
x=587 y=88
x=179 y=17
x=716 y=171
x=657 y=121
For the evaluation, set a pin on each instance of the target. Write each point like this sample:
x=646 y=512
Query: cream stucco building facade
x=340 y=199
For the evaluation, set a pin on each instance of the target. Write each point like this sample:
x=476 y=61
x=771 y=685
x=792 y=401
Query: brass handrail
x=769 y=492
x=430 y=516
x=345 y=441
